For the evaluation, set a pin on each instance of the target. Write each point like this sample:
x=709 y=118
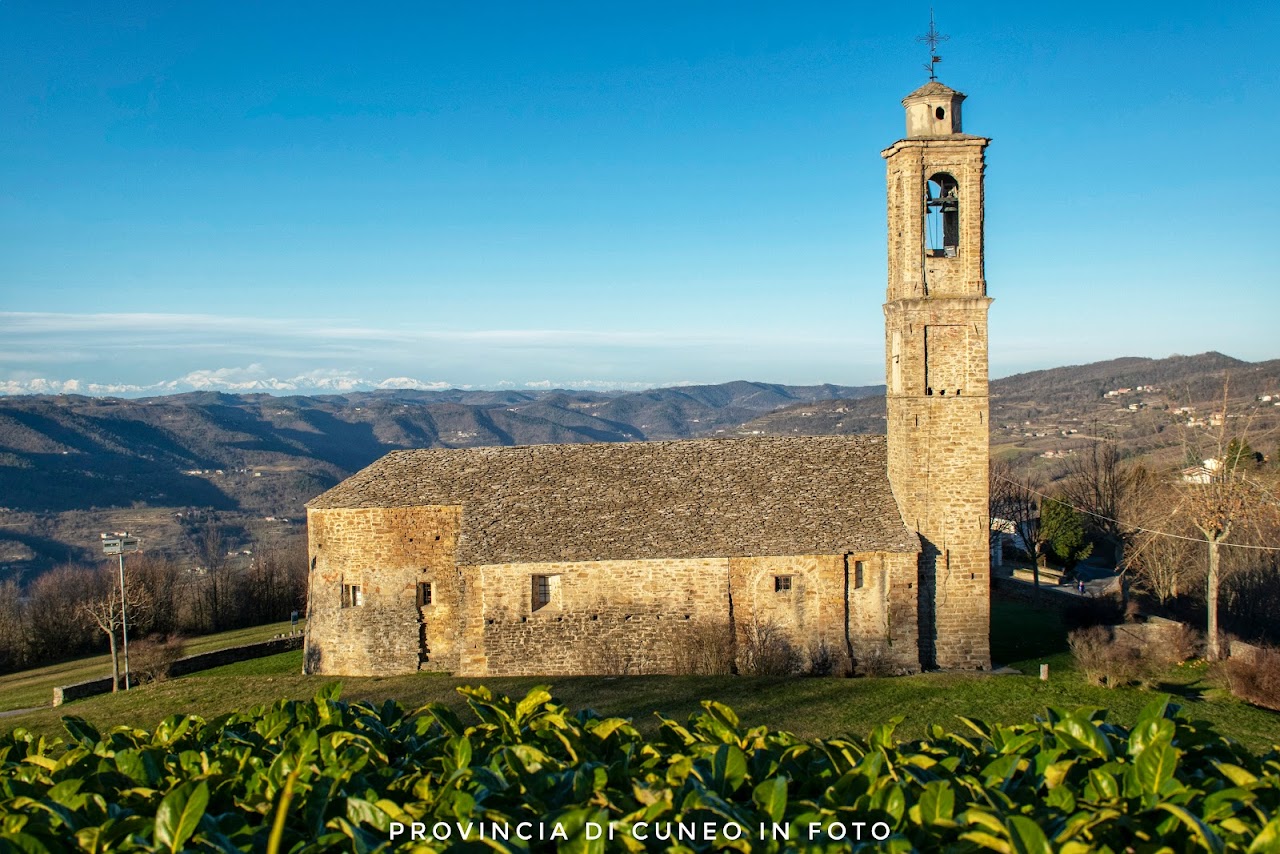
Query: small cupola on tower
x=933 y=110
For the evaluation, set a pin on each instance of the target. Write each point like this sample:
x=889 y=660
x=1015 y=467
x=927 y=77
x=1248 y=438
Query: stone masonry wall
x=387 y=552
x=608 y=617
x=945 y=498
x=936 y=369
x=633 y=617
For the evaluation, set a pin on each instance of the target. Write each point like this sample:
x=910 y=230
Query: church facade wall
x=610 y=617
x=365 y=616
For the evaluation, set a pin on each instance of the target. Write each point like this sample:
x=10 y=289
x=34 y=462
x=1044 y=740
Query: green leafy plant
x=323 y=774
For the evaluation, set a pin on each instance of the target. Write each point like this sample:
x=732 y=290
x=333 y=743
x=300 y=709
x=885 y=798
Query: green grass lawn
x=1022 y=636
x=35 y=687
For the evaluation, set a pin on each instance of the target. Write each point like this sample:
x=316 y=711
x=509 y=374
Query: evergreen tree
x=1239 y=455
x=1062 y=530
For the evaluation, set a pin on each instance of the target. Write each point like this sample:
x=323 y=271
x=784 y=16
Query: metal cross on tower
x=933 y=38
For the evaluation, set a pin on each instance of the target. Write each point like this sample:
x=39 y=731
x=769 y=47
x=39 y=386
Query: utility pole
x=118 y=544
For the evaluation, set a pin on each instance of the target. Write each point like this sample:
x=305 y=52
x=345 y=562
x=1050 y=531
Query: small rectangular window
x=351 y=596
x=546 y=591
x=542 y=592
x=781 y=583
x=424 y=593
x=858 y=579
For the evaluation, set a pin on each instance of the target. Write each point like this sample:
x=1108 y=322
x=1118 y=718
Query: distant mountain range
x=71 y=465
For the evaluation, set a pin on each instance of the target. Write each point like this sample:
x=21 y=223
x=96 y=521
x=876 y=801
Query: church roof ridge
x=719 y=497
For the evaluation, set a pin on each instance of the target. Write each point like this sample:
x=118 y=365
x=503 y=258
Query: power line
x=1133 y=527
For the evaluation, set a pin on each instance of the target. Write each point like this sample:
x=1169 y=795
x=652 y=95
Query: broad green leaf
x=534 y=700
x=1268 y=839
x=771 y=797
x=1104 y=784
x=1150 y=732
x=332 y=691
x=1206 y=837
x=980 y=727
x=81 y=730
x=728 y=768
x=459 y=748
x=179 y=813
x=602 y=729
x=1027 y=837
x=1057 y=772
x=28 y=844
x=882 y=735
x=443 y=715
x=989 y=841
x=1157 y=710
x=1061 y=798
x=1155 y=765
x=1084 y=734
x=722 y=713
x=360 y=811
x=937 y=803
x=1236 y=774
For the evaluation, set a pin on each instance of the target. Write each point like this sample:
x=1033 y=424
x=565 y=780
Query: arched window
x=942 y=216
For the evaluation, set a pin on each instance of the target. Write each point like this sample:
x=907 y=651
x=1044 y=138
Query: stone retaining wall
x=186 y=664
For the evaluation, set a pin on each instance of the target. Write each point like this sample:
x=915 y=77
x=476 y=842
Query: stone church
x=634 y=557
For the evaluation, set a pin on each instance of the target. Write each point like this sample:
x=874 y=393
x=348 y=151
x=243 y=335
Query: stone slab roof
x=932 y=89
x=624 y=501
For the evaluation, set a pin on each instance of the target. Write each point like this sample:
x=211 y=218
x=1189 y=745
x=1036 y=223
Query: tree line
x=74 y=609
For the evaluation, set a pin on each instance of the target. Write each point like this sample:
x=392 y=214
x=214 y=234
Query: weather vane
x=933 y=38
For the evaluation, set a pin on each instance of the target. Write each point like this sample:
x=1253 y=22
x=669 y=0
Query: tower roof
x=933 y=89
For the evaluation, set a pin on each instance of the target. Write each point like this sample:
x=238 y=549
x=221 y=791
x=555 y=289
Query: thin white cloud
x=51 y=353
x=254 y=378
x=242 y=379
x=126 y=330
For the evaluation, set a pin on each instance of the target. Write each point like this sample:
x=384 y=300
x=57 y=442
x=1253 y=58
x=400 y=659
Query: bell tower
x=936 y=372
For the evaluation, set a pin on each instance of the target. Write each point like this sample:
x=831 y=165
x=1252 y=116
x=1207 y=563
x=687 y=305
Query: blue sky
x=597 y=195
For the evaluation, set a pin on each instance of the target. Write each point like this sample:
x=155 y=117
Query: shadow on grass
x=1180 y=689
x=1023 y=634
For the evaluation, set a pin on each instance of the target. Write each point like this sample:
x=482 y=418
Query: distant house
x=1005 y=532
x=1203 y=473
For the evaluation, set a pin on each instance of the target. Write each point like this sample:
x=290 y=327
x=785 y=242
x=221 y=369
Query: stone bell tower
x=936 y=372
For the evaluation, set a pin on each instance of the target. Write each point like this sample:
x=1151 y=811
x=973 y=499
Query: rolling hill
x=72 y=466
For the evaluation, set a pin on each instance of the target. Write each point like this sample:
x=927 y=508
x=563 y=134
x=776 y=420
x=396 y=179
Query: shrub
x=767 y=651
x=151 y=658
x=1256 y=679
x=706 y=649
x=1105 y=659
x=823 y=660
x=876 y=660
x=1089 y=648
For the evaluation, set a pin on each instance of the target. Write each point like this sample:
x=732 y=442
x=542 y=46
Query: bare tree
x=165 y=583
x=209 y=543
x=106 y=610
x=53 y=608
x=14 y=640
x=1226 y=498
x=1015 y=498
x=1160 y=559
x=1099 y=483
x=278 y=579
